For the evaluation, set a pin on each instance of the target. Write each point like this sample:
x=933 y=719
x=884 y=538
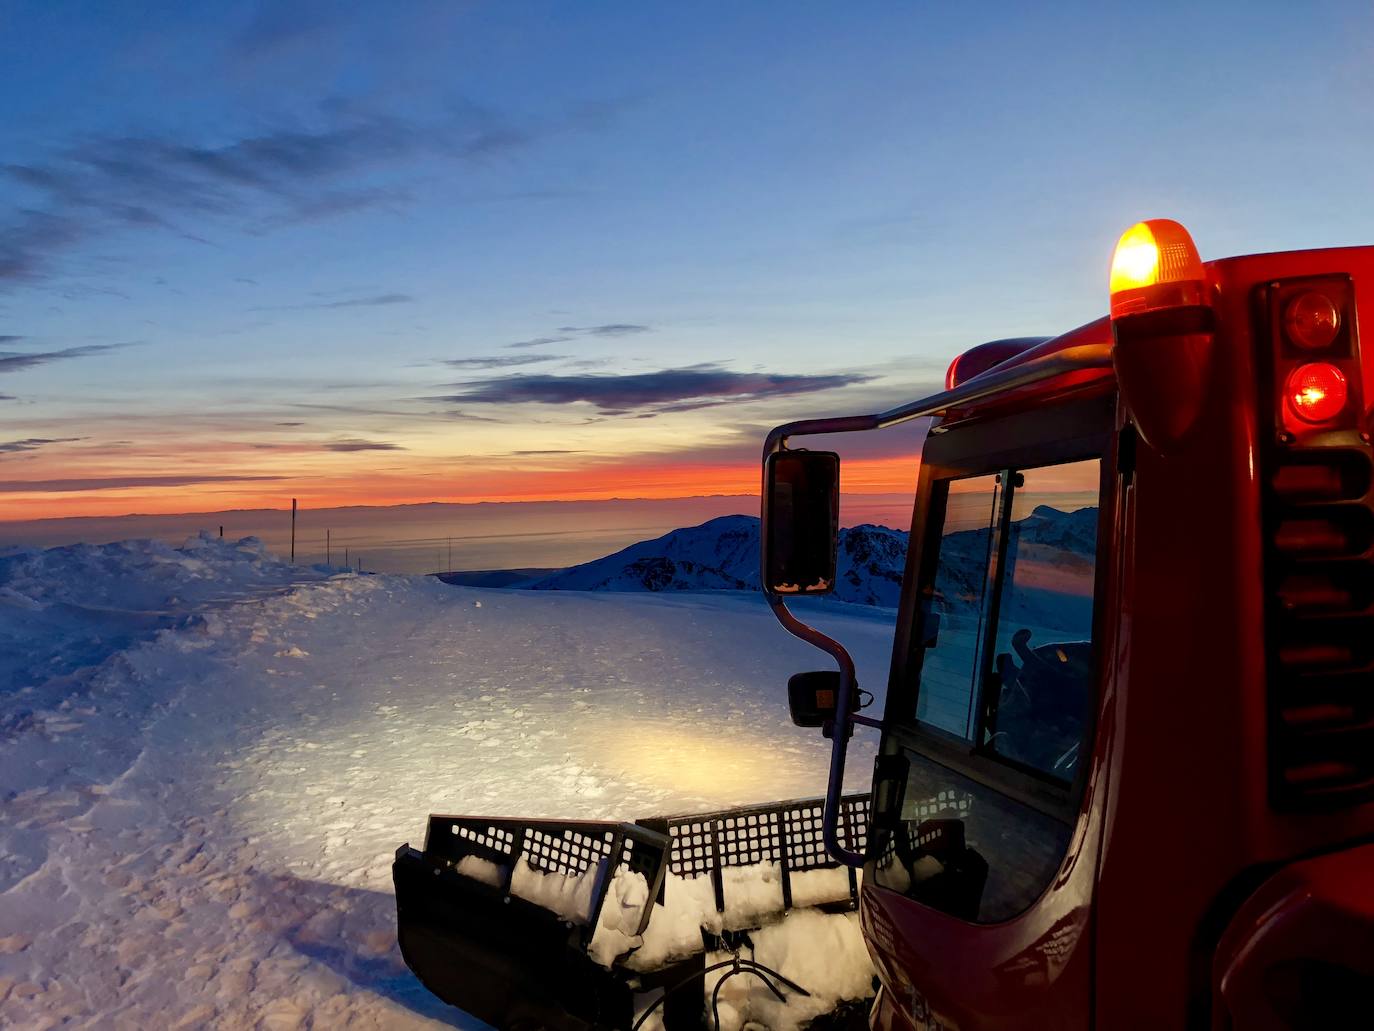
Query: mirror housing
x=812 y=697
x=801 y=521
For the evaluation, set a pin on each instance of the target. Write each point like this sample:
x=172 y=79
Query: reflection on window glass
x=1008 y=619
x=1042 y=651
x=966 y=849
x=954 y=611
x=1007 y=668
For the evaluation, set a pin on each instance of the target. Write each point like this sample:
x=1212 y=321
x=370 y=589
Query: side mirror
x=801 y=520
x=811 y=697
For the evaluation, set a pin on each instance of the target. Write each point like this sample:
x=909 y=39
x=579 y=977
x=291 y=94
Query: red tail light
x=1317 y=391
x=1312 y=320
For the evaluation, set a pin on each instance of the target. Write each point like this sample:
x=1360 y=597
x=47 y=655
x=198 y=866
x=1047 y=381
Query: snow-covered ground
x=208 y=757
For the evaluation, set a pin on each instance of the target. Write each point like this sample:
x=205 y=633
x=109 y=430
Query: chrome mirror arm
x=841 y=726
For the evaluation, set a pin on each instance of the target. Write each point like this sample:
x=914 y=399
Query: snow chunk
x=568 y=896
x=621 y=915
x=817 y=887
x=484 y=870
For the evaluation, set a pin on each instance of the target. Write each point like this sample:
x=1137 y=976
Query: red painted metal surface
x=1177 y=831
x=1275 y=963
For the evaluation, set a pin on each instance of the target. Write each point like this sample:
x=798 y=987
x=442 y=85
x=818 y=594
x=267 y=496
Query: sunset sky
x=375 y=254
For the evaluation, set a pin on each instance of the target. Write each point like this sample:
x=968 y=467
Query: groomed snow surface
x=208 y=758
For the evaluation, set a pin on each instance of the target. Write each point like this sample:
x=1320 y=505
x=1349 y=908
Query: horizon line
x=406 y=504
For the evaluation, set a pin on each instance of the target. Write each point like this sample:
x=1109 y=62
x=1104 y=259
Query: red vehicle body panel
x=1273 y=967
x=1176 y=827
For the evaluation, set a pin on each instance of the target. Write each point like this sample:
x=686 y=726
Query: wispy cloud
x=539 y=342
x=30 y=239
x=355 y=410
x=666 y=390
x=14 y=361
x=287 y=175
x=553 y=451
x=373 y=301
x=505 y=362
x=34 y=443
x=9 y=338
x=609 y=329
x=355 y=444
x=117 y=483
x=278 y=28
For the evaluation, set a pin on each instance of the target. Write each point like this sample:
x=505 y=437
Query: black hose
x=742 y=966
x=715 y=995
x=669 y=991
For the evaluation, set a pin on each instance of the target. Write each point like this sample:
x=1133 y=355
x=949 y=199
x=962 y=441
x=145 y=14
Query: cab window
x=1001 y=721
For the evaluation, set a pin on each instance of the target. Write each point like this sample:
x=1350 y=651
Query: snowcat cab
x=1125 y=775
x=1126 y=771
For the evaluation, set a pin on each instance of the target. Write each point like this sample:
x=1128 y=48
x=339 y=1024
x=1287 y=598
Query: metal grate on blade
x=562 y=847
x=786 y=833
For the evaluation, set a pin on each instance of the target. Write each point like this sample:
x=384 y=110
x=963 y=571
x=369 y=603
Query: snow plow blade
x=503 y=917
x=508 y=960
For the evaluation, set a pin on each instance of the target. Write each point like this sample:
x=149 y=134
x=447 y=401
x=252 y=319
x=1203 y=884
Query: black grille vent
x=1321 y=640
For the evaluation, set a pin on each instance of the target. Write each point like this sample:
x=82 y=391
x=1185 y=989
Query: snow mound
x=208 y=758
x=74 y=678
x=65 y=608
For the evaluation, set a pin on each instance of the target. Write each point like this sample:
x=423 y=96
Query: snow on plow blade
x=581 y=925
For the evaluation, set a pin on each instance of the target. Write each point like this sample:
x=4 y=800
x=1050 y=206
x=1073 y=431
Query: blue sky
x=260 y=250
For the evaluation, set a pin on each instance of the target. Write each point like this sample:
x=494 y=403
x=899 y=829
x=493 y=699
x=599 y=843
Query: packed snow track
x=208 y=758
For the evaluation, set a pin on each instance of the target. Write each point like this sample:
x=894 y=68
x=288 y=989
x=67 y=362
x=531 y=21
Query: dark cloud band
x=666 y=390
x=354 y=444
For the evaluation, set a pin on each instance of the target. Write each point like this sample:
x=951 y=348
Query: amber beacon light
x=1155 y=266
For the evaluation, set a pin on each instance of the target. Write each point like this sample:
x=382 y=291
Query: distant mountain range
x=723 y=555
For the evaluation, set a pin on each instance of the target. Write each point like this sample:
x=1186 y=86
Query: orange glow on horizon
x=438 y=481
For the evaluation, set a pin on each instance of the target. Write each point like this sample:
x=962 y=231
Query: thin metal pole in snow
x=221 y=531
x=450 y=555
x=293 y=529
x=326 y=548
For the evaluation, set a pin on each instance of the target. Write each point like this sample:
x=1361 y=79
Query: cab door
x=978 y=891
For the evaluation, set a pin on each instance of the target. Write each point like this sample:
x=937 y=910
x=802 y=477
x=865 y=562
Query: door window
x=1003 y=703
x=1036 y=693
x=955 y=612
x=1007 y=617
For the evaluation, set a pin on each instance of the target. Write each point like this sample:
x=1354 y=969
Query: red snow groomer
x=1126 y=769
